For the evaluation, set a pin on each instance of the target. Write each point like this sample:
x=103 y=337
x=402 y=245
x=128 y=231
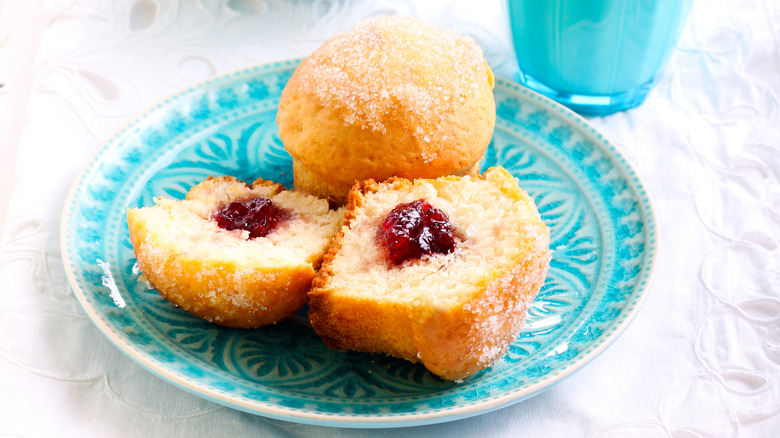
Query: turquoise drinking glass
x=595 y=56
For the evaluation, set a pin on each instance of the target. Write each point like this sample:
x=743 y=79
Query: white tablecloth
x=701 y=359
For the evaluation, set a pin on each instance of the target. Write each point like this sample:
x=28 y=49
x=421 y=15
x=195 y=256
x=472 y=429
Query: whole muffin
x=392 y=96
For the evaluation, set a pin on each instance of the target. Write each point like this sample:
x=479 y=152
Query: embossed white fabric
x=702 y=359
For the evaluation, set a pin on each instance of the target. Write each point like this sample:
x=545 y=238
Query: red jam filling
x=416 y=229
x=259 y=216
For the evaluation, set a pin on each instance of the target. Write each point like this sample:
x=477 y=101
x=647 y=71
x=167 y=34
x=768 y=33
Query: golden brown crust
x=453 y=343
x=337 y=192
x=337 y=136
x=225 y=293
x=231 y=293
x=354 y=201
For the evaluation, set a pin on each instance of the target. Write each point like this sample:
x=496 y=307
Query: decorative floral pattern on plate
x=603 y=237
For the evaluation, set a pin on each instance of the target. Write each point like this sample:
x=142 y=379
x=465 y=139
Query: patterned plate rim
x=271 y=410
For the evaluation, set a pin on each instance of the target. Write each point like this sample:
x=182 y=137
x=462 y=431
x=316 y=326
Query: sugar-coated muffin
x=392 y=96
x=456 y=308
x=236 y=277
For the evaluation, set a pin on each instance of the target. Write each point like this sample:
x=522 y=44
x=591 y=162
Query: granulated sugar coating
x=458 y=312
x=390 y=97
x=228 y=276
x=392 y=63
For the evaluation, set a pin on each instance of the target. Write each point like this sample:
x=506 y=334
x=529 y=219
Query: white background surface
x=701 y=359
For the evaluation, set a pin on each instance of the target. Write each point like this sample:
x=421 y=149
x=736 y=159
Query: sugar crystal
x=396 y=65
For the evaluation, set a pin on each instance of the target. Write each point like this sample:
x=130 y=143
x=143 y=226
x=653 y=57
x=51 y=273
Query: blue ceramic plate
x=603 y=237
